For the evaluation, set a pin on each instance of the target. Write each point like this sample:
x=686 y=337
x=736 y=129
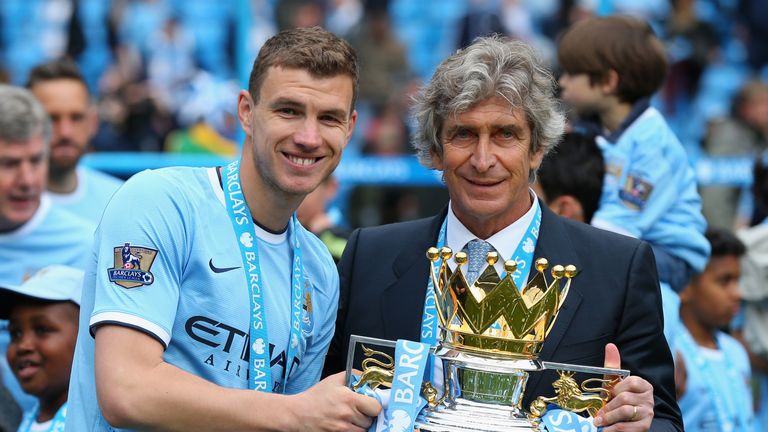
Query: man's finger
x=367 y=405
x=612 y=356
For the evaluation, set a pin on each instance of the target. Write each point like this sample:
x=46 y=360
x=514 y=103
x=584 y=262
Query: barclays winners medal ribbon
x=559 y=420
x=242 y=222
x=405 y=401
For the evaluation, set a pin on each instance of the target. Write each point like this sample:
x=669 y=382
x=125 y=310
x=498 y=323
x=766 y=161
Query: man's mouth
x=483 y=182
x=301 y=161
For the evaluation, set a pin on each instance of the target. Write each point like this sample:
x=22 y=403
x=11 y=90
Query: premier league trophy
x=491 y=333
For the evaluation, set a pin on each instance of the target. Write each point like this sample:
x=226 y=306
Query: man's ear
x=245 y=111
x=611 y=83
x=92 y=117
x=536 y=159
x=437 y=161
x=567 y=206
x=351 y=125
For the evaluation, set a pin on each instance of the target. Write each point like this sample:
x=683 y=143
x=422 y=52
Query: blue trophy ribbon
x=560 y=420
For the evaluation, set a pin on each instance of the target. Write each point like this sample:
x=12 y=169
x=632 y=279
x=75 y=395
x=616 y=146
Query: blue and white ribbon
x=242 y=222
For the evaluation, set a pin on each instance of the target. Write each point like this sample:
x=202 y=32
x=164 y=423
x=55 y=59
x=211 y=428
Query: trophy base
x=482 y=394
x=468 y=416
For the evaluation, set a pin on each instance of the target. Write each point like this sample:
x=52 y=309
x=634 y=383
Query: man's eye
x=462 y=134
x=287 y=111
x=507 y=134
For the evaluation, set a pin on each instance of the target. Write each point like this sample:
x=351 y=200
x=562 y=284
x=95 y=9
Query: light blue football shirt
x=670 y=306
x=52 y=236
x=189 y=292
x=730 y=381
x=650 y=192
x=88 y=200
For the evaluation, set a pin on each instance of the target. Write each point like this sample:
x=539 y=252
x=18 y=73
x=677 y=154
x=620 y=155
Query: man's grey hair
x=22 y=117
x=491 y=66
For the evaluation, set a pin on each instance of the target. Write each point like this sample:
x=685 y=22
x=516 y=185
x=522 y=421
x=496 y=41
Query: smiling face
x=298 y=128
x=22 y=180
x=486 y=163
x=42 y=344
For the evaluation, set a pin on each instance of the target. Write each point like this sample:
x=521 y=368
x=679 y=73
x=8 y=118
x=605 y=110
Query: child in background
x=42 y=317
x=715 y=393
x=611 y=67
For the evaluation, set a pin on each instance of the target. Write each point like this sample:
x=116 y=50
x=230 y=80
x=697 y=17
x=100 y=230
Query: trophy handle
x=376 y=372
x=572 y=397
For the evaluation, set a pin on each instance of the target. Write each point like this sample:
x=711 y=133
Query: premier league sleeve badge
x=636 y=192
x=132 y=265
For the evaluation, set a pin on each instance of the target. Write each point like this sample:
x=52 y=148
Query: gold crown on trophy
x=492 y=316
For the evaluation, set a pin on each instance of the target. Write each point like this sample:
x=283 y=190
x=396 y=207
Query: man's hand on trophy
x=331 y=406
x=632 y=402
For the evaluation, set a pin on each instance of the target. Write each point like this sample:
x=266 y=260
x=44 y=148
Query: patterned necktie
x=477 y=250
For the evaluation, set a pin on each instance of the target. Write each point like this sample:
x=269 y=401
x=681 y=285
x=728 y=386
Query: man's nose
x=309 y=134
x=482 y=158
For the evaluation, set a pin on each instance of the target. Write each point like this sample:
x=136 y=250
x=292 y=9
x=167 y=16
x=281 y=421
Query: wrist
x=290 y=418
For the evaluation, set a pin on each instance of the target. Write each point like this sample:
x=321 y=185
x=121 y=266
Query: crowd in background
x=164 y=75
x=164 y=72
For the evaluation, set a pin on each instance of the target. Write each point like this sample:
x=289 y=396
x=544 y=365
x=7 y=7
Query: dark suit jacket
x=615 y=298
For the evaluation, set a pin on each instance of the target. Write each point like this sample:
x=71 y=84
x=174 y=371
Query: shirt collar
x=505 y=241
x=637 y=110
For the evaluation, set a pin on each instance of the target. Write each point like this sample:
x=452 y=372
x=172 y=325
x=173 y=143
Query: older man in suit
x=486 y=120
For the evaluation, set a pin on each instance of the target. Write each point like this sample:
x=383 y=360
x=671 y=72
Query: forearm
x=166 y=398
x=137 y=389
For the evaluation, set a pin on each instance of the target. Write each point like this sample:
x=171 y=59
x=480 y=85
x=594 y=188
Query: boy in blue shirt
x=42 y=317
x=611 y=67
x=715 y=395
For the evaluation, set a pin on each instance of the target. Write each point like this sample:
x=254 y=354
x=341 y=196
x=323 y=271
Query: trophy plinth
x=483 y=394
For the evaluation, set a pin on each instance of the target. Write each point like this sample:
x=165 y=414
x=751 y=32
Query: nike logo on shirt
x=220 y=269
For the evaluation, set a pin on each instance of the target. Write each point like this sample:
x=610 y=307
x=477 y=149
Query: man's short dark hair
x=576 y=168
x=314 y=50
x=624 y=44
x=55 y=70
x=724 y=243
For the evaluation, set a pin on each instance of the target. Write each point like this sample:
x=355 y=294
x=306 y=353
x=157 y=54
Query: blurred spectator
x=299 y=13
x=744 y=133
x=313 y=215
x=753 y=322
x=387 y=134
x=344 y=15
x=715 y=395
x=570 y=179
x=171 y=63
x=650 y=189
x=384 y=69
x=690 y=45
x=10 y=414
x=33 y=232
x=482 y=19
x=42 y=316
x=753 y=15
x=62 y=91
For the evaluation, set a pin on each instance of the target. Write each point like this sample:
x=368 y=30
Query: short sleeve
x=140 y=248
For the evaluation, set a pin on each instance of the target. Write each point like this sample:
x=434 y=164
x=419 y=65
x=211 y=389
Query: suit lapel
x=404 y=298
x=554 y=245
